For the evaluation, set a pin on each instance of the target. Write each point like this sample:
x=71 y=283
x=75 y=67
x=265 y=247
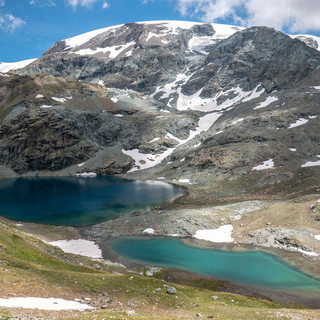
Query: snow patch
x=266 y=103
x=268 y=164
x=113 y=99
x=81 y=164
x=43 y=304
x=144 y=161
x=222 y=234
x=317 y=237
x=311 y=163
x=309 y=253
x=81 y=247
x=86 y=174
x=298 y=123
x=195 y=102
x=293 y=149
x=61 y=100
x=154 y=140
x=45 y=106
x=148 y=231
x=39 y=96
x=236 y=121
x=313 y=117
x=113 y=51
x=184 y=181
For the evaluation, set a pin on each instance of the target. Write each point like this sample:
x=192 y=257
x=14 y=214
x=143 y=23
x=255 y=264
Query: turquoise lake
x=255 y=268
x=78 y=201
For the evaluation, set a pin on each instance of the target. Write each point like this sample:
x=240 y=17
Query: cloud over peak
x=294 y=15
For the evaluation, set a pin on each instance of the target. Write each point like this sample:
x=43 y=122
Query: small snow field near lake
x=43 y=304
x=184 y=181
x=81 y=247
x=148 y=231
x=222 y=234
x=268 y=164
x=298 y=123
x=308 y=253
x=86 y=174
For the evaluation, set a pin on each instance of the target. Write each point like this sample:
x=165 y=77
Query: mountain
x=214 y=106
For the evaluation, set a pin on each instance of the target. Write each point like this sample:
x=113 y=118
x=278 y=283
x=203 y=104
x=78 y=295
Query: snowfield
x=222 y=234
x=43 y=304
x=82 y=247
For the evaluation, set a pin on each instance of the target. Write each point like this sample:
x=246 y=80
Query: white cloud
x=296 y=15
x=2 y=3
x=10 y=22
x=105 y=5
x=83 y=3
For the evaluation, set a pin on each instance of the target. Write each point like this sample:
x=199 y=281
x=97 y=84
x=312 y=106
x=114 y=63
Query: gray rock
x=172 y=290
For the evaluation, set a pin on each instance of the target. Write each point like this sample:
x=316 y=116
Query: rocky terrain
x=230 y=114
x=190 y=102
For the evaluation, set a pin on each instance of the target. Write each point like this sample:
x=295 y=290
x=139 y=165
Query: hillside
x=32 y=268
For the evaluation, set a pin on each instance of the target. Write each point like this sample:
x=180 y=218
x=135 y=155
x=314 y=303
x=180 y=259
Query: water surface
x=256 y=268
x=78 y=201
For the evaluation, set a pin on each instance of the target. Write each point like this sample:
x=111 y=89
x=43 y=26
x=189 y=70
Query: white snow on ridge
x=266 y=103
x=222 y=234
x=85 y=37
x=82 y=247
x=317 y=237
x=8 y=66
x=268 y=164
x=298 y=123
x=306 y=37
x=43 y=304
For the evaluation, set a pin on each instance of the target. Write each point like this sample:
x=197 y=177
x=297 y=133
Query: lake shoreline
x=250 y=220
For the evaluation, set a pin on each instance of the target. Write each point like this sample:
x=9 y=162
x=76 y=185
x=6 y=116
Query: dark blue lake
x=78 y=201
x=255 y=268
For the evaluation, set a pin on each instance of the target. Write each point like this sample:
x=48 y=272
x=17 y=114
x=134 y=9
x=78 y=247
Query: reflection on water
x=77 y=201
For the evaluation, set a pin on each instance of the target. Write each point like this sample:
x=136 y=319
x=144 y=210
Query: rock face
x=186 y=102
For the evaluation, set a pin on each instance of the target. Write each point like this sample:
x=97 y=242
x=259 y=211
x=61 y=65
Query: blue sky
x=30 y=27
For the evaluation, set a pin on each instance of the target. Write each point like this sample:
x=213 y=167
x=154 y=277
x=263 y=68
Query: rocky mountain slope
x=190 y=102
